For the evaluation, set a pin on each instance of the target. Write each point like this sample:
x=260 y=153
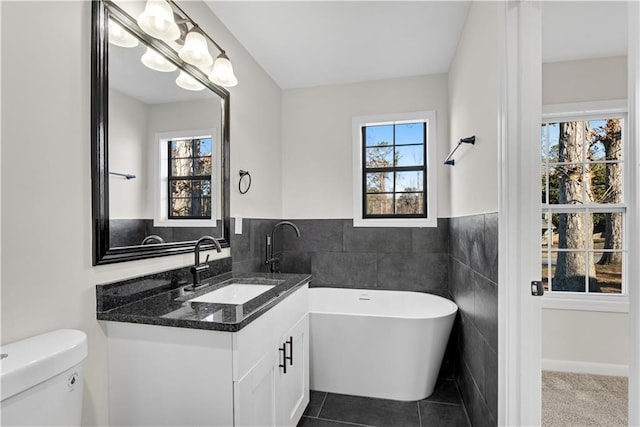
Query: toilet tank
x=41 y=380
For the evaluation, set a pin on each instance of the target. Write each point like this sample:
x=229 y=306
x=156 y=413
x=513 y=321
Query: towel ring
x=243 y=175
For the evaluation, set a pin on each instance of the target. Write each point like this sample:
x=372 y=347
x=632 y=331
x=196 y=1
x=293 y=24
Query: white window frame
x=161 y=177
x=428 y=117
x=591 y=301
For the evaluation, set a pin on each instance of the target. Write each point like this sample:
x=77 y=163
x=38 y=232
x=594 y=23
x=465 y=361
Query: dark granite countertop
x=167 y=303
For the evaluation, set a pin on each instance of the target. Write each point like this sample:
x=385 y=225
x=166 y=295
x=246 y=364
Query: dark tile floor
x=442 y=409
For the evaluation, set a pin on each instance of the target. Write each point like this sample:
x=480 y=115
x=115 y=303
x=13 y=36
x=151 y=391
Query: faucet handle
x=207 y=259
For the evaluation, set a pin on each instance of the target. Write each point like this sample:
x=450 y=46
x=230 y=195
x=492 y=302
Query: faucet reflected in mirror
x=197 y=267
x=272 y=261
x=152 y=239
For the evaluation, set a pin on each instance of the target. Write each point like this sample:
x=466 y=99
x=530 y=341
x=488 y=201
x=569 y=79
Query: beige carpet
x=570 y=400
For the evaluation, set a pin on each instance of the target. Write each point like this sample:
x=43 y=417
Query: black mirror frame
x=103 y=253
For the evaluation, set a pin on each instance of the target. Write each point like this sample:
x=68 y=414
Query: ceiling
x=313 y=43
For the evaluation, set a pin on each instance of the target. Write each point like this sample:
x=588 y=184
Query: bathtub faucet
x=270 y=252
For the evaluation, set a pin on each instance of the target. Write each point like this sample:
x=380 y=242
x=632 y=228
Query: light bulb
x=157 y=21
x=155 y=61
x=195 y=50
x=120 y=37
x=222 y=73
x=185 y=81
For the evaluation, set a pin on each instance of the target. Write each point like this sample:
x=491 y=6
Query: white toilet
x=41 y=380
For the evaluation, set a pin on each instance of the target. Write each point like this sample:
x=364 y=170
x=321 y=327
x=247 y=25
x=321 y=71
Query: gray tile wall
x=473 y=284
x=248 y=248
x=340 y=255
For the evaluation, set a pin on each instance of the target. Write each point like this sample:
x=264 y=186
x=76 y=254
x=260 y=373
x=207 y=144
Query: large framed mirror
x=160 y=145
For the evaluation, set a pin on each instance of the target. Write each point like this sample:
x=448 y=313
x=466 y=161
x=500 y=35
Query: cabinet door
x=292 y=394
x=254 y=394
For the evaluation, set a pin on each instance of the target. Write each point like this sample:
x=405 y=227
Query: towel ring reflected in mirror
x=245 y=177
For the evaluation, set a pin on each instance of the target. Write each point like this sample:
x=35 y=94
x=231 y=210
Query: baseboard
x=585 y=367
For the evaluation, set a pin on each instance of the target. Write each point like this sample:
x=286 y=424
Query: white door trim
x=519 y=358
x=633 y=214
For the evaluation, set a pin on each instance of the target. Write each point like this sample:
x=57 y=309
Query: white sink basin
x=235 y=293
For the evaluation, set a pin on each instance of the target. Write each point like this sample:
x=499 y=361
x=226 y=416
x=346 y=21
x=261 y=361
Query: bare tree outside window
x=582 y=174
x=394 y=170
x=190 y=178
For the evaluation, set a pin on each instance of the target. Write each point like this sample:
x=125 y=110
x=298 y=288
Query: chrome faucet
x=197 y=267
x=270 y=256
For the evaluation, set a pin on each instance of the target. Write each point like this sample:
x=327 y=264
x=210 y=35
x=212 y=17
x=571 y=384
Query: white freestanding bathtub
x=384 y=344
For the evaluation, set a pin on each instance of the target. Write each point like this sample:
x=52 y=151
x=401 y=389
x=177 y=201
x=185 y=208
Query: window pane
x=570 y=270
x=606 y=182
x=572 y=139
x=549 y=236
x=546 y=272
x=572 y=231
x=205 y=147
x=379 y=135
x=554 y=138
x=203 y=165
x=379 y=204
x=605 y=139
x=609 y=271
x=566 y=184
x=409 y=203
x=379 y=157
x=182 y=167
x=182 y=148
x=409 y=155
x=380 y=182
x=409 y=133
x=607 y=230
x=191 y=207
x=190 y=198
x=607 y=242
x=543 y=184
x=409 y=181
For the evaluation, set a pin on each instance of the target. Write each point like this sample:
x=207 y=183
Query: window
x=186 y=190
x=394 y=185
x=189 y=178
x=583 y=204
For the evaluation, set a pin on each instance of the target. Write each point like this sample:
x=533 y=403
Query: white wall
x=585 y=80
x=586 y=337
x=128 y=153
x=473 y=100
x=317 y=171
x=47 y=278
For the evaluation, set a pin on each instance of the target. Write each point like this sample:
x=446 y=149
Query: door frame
x=519 y=359
x=633 y=81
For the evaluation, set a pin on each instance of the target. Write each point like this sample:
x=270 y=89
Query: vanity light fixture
x=155 y=61
x=119 y=37
x=165 y=20
x=185 y=81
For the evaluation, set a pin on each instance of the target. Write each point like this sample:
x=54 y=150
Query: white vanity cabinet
x=271 y=382
x=166 y=376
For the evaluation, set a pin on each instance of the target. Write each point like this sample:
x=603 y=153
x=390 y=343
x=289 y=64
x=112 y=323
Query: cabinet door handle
x=283 y=349
x=290 y=357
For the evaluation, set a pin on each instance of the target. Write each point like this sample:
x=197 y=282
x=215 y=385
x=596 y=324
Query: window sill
x=185 y=223
x=608 y=304
x=395 y=222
